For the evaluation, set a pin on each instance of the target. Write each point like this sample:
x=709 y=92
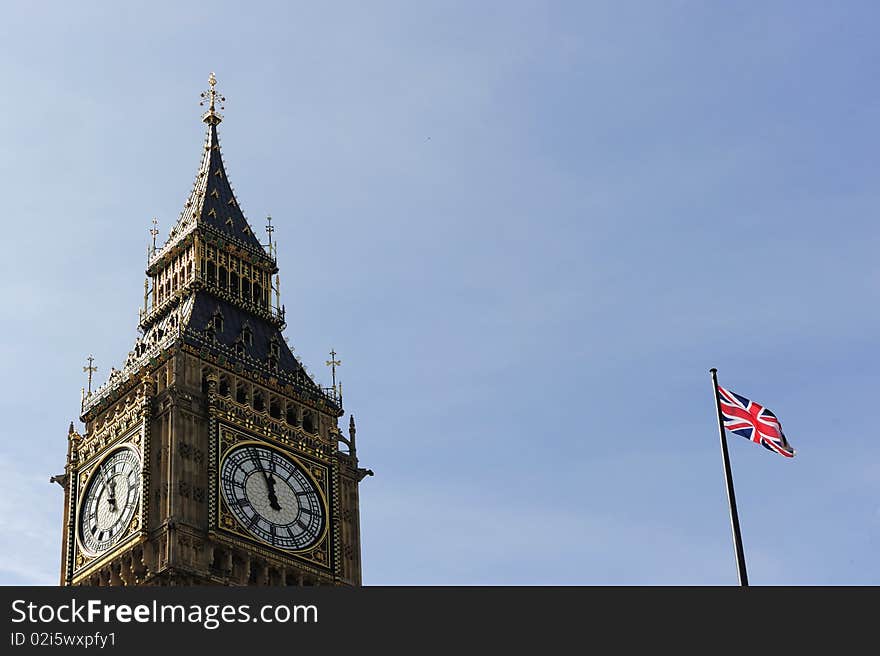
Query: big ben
x=211 y=456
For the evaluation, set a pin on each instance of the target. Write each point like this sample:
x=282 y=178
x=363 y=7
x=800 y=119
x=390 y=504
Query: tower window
x=247 y=335
x=223 y=387
x=259 y=404
x=233 y=283
x=274 y=408
x=240 y=393
x=222 y=280
x=291 y=418
x=309 y=421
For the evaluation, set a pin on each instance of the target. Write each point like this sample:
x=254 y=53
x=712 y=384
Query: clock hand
x=111 y=490
x=273 y=499
x=270 y=482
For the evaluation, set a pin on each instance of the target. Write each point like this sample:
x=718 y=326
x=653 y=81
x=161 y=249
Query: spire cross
x=154 y=231
x=333 y=363
x=211 y=96
x=90 y=369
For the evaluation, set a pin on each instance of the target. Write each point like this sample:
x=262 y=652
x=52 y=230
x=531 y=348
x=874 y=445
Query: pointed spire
x=212 y=202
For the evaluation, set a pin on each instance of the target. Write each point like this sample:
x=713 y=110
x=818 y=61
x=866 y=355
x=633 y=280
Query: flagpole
x=731 y=497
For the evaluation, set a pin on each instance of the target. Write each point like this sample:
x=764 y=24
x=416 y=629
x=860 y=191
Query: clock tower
x=211 y=456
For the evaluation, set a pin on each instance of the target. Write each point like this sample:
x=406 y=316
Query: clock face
x=110 y=500
x=272 y=497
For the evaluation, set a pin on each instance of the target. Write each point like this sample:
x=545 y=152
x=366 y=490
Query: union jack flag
x=753 y=422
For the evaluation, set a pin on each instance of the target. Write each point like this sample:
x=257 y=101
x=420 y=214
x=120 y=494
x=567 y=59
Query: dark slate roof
x=189 y=320
x=212 y=203
x=256 y=354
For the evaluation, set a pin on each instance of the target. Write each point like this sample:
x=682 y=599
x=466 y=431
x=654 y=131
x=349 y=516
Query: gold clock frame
x=320 y=553
x=87 y=473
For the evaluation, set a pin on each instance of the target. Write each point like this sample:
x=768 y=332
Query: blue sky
x=528 y=229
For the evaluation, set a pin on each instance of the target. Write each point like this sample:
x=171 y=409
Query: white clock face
x=110 y=500
x=272 y=497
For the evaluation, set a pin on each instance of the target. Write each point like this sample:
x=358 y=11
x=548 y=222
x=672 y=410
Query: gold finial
x=269 y=230
x=333 y=363
x=90 y=369
x=154 y=231
x=211 y=96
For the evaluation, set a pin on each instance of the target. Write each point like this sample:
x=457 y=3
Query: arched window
x=258 y=293
x=223 y=387
x=247 y=335
x=309 y=421
x=292 y=418
x=274 y=408
x=259 y=404
x=233 y=283
x=221 y=282
x=241 y=393
x=212 y=271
